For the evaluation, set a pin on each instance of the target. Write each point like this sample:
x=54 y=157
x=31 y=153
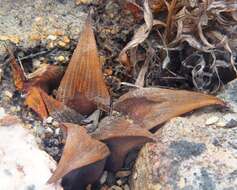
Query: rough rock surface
x=190 y=155
x=23 y=166
x=27 y=23
x=229 y=94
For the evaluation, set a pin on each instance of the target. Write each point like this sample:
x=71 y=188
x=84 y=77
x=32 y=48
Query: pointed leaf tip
x=79 y=151
x=151 y=107
x=83 y=85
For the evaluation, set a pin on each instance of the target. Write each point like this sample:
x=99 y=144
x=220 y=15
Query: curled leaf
x=83 y=153
x=121 y=136
x=151 y=107
x=82 y=87
x=142 y=33
x=47 y=77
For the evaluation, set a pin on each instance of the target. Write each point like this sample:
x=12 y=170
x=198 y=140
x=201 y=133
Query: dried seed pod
x=121 y=136
x=151 y=107
x=82 y=87
x=83 y=159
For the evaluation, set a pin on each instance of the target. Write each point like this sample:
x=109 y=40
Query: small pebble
x=36 y=63
x=49 y=120
x=115 y=187
x=103 y=177
x=52 y=37
x=55 y=123
x=49 y=131
x=66 y=39
x=228 y=117
x=50 y=45
x=57 y=131
x=135 y=175
x=212 y=120
x=126 y=187
x=121 y=174
x=62 y=44
x=60 y=58
x=2 y=112
x=8 y=94
x=221 y=124
x=119 y=182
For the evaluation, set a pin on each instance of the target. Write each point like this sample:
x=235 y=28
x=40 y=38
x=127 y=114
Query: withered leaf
x=82 y=87
x=121 y=136
x=45 y=105
x=47 y=77
x=35 y=101
x=151 y=107
x=18 y=75
x=81 y=151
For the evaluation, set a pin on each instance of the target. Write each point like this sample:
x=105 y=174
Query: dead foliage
x=150 y=107
x=82 y=89
x=81 y=151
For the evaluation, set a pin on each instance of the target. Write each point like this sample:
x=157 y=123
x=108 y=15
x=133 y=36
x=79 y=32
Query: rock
x=22 y=164
x=8 y=94
x=103 y=177
x=49 y=120
x=2 y=112
x=188 y=155
x=126 y=187
x=212 y=120
x=22 y=25
x=229 y=94
x=115 y=187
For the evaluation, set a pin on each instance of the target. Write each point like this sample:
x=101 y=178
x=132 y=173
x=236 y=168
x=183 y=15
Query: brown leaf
x=83 y=86
x=18 y=75
x=142 y=33
x=35 y=101
x=45 y=105
x=80 y=152
x=59 y=111
x=151 y=107
x=47 y=77
x=121 y=136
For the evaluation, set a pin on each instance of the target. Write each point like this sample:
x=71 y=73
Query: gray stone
x=189 y=155
x=228 y=94
x=23 y=165
x=28 y=22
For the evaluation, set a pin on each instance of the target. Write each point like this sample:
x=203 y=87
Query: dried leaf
x=142 y=33
x=47 y=77
x=61 y=112
x=18 y=75
x=45 y=105
x=80 y=152
x=151 y=107
x=121 y=136
x=35 y=101
x=83 y=86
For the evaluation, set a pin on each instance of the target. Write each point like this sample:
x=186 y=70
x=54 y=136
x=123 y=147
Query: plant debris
x=142 y=45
